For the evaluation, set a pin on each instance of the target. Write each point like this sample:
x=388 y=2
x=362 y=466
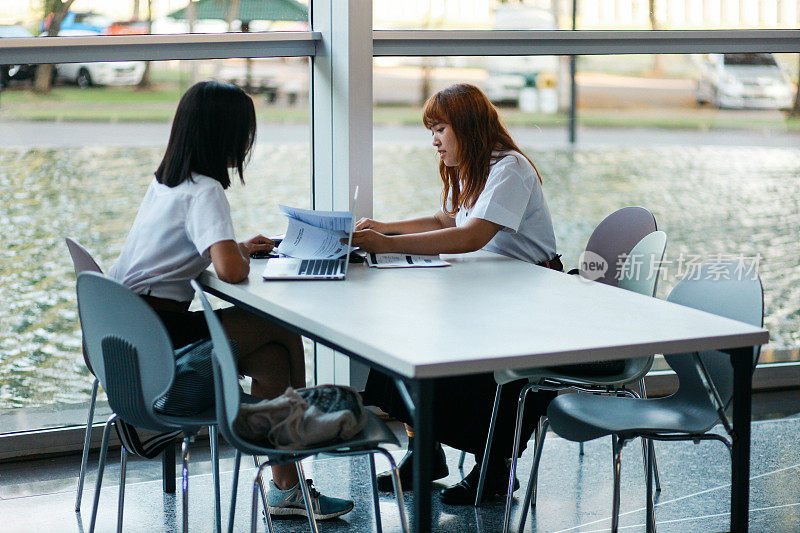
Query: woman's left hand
x=256 y=244
x=371 y=241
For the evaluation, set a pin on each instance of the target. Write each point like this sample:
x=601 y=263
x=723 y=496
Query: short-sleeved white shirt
x=169 y=242
x=513 y=198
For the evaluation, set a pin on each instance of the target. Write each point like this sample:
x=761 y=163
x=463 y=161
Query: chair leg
x=512 y=472
x=123 y=467
x=530 y=492
x=213 y=438
x=398 y=489
x=185 y=483
x=254 y=504
x=461 y=460
x=616 y=445
x=237 y=461
x=580 y=448
x=100 y=468
x=487 y=450
x=261 y=487
x=312 y=520
x=87 y=440
x=643 y=394
x=375 y=501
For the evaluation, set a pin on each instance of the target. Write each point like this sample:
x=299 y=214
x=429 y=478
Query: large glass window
x=711 y=153
x=661 y=131
x=76 y=163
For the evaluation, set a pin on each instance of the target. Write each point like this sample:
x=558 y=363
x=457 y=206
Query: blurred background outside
x=708 y=142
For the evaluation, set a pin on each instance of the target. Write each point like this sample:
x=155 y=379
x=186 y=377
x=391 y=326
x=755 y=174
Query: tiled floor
x=574 y=491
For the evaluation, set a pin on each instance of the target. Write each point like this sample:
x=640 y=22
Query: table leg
x=742 y=361
x=423 y=453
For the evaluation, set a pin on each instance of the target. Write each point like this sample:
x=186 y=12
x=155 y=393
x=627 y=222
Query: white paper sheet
x=404 y=261
x=330 y=220
x=305 y=241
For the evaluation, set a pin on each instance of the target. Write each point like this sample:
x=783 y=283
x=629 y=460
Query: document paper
x=404 y=261
x=315 y=234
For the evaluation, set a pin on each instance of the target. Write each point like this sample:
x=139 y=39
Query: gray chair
x=610 y=241
x=82 y=261
x=132 y=357
x=150 y=447
x=228 y=399
x=639 y=273
x=706 y=381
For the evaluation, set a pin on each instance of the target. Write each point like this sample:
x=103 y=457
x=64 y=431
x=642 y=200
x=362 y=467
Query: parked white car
x=89 y=74
x=742 y=81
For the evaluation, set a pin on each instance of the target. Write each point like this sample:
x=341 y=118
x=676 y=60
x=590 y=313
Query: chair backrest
x=226 y=375
x=725 y=288
x=614 y=238
x=82 y=261
x=639 y=274
x=128 y=347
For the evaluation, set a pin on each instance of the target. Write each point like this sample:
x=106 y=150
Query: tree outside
x=44 y=73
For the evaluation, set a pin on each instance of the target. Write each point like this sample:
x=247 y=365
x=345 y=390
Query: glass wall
x=76 y=163
x=720 y=182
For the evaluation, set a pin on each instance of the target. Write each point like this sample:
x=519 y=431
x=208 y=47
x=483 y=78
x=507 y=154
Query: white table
x=487 y=312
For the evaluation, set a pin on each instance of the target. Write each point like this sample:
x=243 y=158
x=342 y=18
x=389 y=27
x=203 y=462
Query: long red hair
x=479 y=133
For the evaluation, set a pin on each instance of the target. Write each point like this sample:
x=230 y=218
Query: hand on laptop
x=258 y=243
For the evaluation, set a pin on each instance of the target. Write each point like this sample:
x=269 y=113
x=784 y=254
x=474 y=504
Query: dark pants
x=462 y=409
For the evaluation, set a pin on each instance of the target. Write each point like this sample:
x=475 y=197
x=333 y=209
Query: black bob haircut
x=213 y=130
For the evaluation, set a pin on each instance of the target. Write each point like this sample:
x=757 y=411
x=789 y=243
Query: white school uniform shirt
x=169 y=242
x=513 y=198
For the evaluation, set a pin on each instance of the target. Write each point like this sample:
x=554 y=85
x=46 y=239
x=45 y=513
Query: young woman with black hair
x=183 y=226
x=492 y=199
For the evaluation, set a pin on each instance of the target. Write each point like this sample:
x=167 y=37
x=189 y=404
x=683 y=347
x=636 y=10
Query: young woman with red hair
x=492 y=199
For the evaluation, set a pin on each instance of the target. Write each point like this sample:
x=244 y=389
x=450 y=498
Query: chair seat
x=632 y=371
x=192 y=423
x=375 y=432
x=583 y=417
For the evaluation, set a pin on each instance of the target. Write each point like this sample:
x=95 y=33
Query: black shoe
x=464 y=492
x=406 y=466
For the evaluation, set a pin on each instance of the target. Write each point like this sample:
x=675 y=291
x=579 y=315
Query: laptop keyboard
x=321 y=267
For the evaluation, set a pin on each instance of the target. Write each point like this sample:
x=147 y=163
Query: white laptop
x=286 y=268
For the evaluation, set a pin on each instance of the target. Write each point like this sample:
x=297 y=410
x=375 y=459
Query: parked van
x=743 y=81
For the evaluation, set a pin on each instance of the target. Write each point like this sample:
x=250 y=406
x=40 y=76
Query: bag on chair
x=302 y=418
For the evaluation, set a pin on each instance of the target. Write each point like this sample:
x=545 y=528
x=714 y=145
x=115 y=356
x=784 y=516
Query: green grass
x=126 y=104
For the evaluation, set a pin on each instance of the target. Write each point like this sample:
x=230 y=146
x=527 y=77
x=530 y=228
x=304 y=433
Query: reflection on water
x=709 y=200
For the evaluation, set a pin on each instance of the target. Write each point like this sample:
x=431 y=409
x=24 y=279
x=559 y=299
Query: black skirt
x=462 y=408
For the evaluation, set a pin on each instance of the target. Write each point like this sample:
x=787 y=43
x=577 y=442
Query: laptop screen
x=352 y=229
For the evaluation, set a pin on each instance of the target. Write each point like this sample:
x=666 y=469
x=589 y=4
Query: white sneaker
x=290 y=502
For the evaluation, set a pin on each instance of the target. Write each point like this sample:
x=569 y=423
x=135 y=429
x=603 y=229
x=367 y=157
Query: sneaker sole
x=301 y=511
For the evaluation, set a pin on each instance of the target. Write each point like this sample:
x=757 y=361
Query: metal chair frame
x=129 y=331
x=228 y=399
x=652 y=245
x=691 y=392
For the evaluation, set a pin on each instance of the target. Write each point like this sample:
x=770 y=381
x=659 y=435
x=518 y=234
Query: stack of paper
x=404 y=261
x=315 y=234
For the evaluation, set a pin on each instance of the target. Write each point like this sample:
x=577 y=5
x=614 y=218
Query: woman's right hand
x=368 y=223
